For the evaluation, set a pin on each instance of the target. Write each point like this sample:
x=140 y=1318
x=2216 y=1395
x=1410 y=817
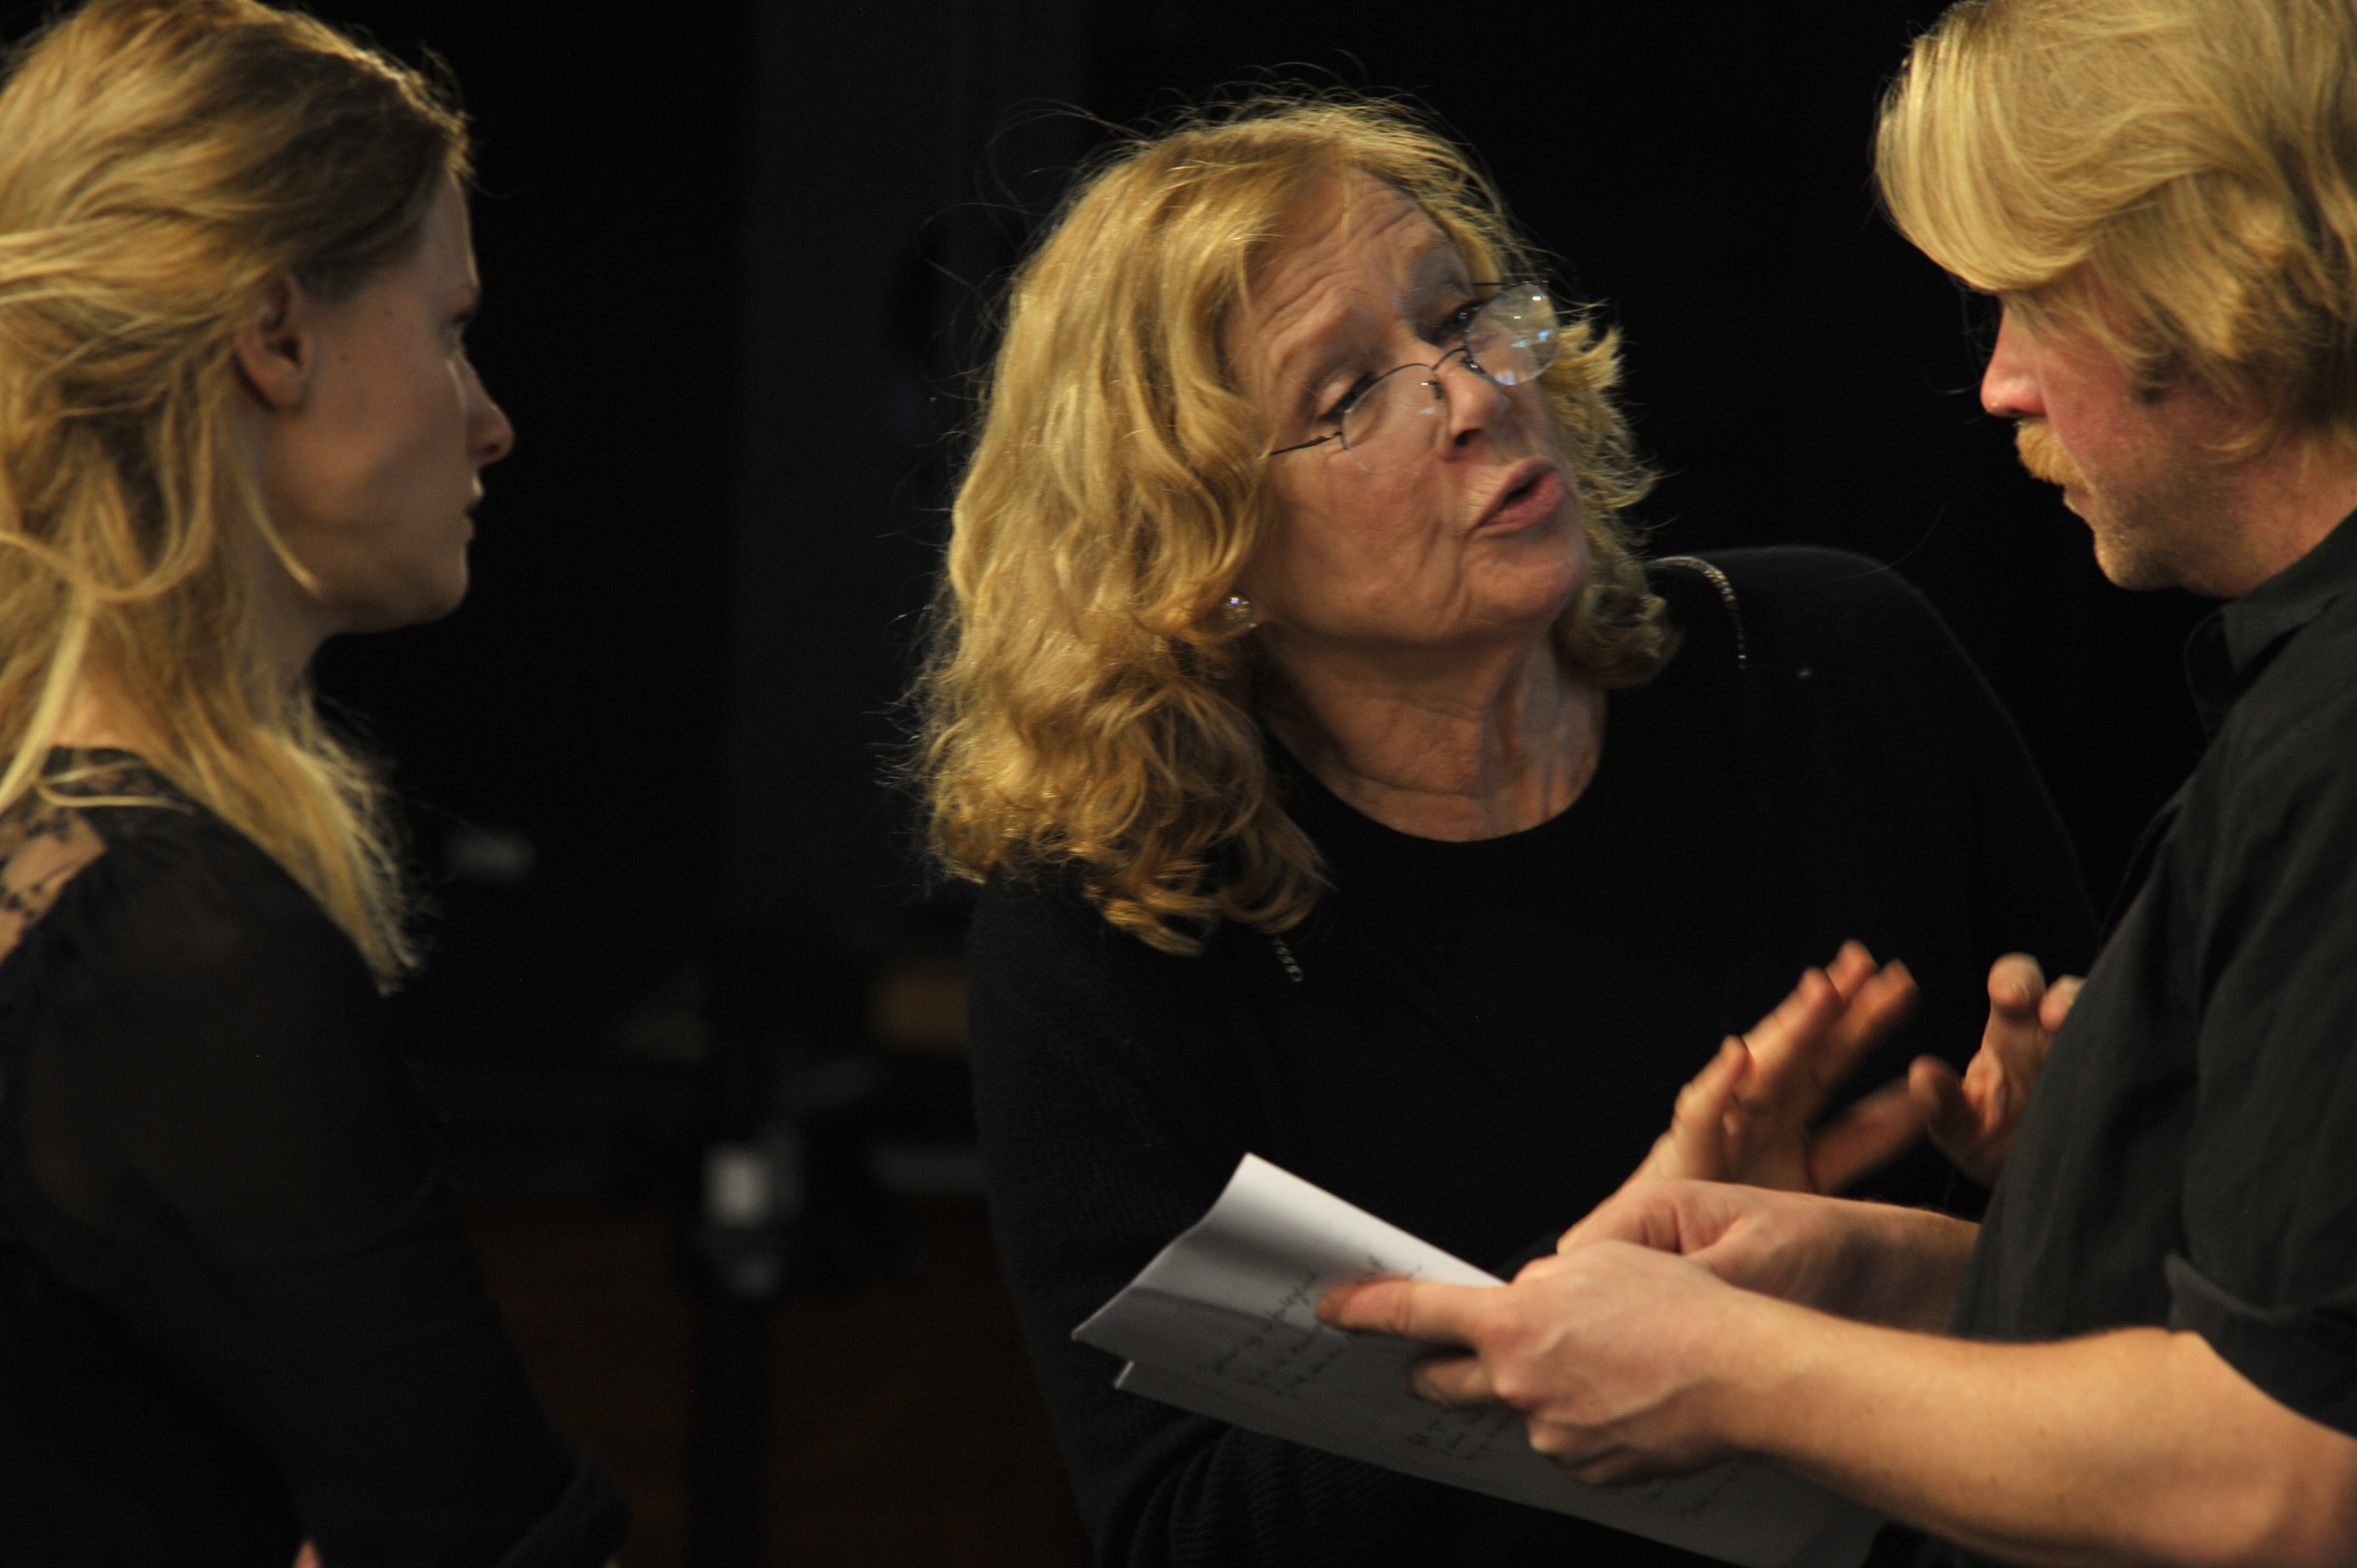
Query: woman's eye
x=1341 y=405
x=1453 y=324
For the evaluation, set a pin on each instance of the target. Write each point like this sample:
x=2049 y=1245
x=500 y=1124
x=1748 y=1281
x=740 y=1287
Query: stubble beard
x=2127 y=531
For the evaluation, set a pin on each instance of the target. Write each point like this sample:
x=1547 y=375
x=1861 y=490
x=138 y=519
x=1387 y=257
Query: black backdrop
x=735 y=254
x=1800 y=374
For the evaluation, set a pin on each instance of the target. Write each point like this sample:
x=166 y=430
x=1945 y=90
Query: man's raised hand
x=1972 y=1119
x=1745 y=1116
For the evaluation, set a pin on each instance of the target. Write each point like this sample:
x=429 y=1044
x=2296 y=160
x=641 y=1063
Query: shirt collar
x=2229 y=649
x=2292 y=597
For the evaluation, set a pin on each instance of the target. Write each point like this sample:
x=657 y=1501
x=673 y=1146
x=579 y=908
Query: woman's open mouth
x=1528 y=497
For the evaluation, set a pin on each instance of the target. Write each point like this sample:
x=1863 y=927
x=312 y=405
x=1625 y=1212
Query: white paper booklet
x=1224 y=1322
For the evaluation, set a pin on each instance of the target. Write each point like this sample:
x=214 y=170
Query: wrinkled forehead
x=1349 y=253
x=1350 y=232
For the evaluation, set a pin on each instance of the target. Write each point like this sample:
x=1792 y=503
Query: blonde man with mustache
x=2148 y=1352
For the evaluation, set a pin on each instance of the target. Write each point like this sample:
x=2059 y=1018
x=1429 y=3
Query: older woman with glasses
x=1344 y=788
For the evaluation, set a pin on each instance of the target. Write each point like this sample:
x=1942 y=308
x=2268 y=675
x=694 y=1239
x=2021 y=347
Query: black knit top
x=237 y=1307
x=1484 y=1038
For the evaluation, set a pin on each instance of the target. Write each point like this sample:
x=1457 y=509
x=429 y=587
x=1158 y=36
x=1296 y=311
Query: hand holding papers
x=1223 y=1322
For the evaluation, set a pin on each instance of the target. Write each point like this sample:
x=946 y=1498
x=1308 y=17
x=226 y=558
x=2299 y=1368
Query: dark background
x=736 y=255
x=738 y=260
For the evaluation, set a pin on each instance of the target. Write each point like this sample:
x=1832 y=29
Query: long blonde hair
x=2178 y=177
x=162 y=164
x=1087 y=708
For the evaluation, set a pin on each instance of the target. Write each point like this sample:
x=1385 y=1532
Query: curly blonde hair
x=1086 y=707
x=2178 y=177
x=162 y=164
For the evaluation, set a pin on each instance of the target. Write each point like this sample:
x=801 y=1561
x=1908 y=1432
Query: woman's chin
x=412 y=605
x=1536 y=592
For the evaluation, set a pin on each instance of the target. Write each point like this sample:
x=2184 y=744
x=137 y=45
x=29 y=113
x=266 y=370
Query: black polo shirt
x=2189 y=1158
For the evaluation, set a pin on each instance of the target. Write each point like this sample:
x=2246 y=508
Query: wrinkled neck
x=1475 y=745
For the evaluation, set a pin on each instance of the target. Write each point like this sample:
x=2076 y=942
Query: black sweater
x=237 y=1306
x=1486 y=1038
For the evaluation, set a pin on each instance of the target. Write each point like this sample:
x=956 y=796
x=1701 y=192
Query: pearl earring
x=1239 y=612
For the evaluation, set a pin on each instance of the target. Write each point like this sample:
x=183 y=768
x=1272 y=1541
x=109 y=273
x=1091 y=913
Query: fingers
x=1953 y=1117
x=1865 y=1137
x=1541 y=1267
x=2015 y=985
x=2057 y=1004
x=2013 y=1047
x=1815 y=1035
x=1882 y=1004
x=1782 y=1047
x=1410 y=1309
x=1938 y=1093
x=1606 y=1464
x=1642 y=1213
x=1417 y=1309
x=1696 y=1144
x=1681 y=1217
x=1452 y=1380
x=1850 y=969
x=1704 y=1103
x=1745 y=1117
x=1972 y=1122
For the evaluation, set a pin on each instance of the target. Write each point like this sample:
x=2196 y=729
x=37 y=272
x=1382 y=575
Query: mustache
x=2042 y=453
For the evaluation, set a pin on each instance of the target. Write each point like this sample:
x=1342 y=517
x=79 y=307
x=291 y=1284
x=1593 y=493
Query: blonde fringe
x=2176 y=178
x=1085 y=710
x=162 y=164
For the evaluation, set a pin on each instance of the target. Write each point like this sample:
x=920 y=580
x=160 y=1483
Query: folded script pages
x=1223 y=1322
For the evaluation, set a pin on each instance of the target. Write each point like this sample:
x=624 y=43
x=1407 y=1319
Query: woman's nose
x=489 y=435
x=1475 y=403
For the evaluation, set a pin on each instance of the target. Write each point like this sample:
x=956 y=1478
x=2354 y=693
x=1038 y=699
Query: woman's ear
x=278 y=348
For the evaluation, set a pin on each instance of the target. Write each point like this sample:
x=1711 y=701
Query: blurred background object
x=695 y=1012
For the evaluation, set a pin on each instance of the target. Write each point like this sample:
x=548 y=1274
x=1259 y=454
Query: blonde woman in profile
x=1345 y=788
x=238 y=1313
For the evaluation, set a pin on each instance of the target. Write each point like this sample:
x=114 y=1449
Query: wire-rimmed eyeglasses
x=1387 y=424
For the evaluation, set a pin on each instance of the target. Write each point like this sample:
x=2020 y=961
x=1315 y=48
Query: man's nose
x=2009 y=386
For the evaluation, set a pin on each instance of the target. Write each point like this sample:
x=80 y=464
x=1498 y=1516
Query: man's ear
x=277 y=351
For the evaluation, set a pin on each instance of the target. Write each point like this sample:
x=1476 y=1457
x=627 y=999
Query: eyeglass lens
x=1508 y=343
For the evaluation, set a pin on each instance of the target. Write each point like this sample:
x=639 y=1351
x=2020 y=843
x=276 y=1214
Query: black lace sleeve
x=210 y=1137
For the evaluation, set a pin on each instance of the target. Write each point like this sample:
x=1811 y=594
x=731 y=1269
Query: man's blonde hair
x=1087 y=707
x=2177 y=177
x=163 y=164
